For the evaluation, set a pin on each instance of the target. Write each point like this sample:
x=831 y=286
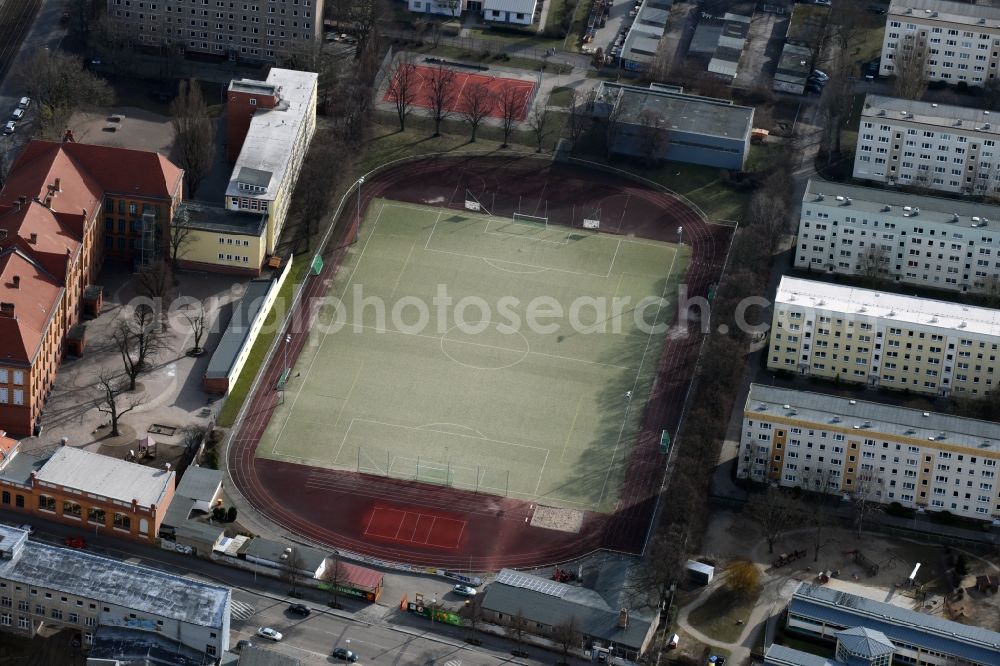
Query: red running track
x=393 y=519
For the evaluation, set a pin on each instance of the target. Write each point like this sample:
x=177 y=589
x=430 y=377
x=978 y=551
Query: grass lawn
x=234 y=401
x=819 y=649
x=528 y=37
x=717 y=617
x=561 y=96
x=701 y=184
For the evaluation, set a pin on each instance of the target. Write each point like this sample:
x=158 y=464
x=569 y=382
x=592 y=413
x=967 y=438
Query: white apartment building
x=918 y=240
x=881 y=452
x=515 y=12
x=259 y=30
x=880 y=339
x=962 y=40
x=922 y=144
x=51 y=585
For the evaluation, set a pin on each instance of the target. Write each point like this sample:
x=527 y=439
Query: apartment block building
x=923 y=144
x=63 y=208
x=884 y=453
x=961 y=40
x=919 y=240
x=880 y=339
x=42 y=584
x=258 y=30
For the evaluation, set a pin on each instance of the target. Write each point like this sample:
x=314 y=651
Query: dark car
x=243 y=644
x=881 y=10
x=814 y=89
x=344 y=654
x=75 y=542
x=299 y=609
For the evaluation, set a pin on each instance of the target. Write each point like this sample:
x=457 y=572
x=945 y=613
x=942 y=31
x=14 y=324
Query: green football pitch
x=497 y=355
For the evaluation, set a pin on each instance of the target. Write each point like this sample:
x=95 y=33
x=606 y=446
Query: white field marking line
x=518 y=263
x=374 y=464
x=611 y=267
x=541 y=472
x=448 y=423
x=403 y=269
x=433 y=229
x=458 y=539
x=400 y=526
x=572 y=426
x=368 y=527
x=430 y=529
x=489 y=262
x=350 y=392
x=507 y=234
x=481 y=344
x=645 y=351
x=454 y=434
x=291 y=408
x=343 y=441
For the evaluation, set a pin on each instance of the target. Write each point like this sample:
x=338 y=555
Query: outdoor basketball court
x=495 y=84
x=465 y=376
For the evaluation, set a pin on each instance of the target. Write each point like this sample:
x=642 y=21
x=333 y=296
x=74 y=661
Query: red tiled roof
x=38 y=167
x=358 y=577
x=6 y=445
x=34 y=301
x=123 y=170
x=53 y=235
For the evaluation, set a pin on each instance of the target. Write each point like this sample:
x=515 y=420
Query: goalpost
x=474 y=204
x=534 y=220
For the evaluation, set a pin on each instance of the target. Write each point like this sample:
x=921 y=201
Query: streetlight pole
x=357 y=228
x=680 y=235
x=285 y=371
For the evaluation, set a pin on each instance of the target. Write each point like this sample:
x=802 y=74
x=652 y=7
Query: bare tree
x=653 y=135
x=873 y=264
x=517 y=628
x=567 y=635
x=510 y=101
x=868 y=490
x=987 y=290
x=109 y=401
x=909 y=66
x=579 y=118
x=473 y=611
x=291 y=570
x=61 y=86
x=403 y=89
x=441 y=84
x=181 y=235
x=156 y=282
x=137 y=337
x=194 y=133
x=768 y=213
x=477 y=105
x=612 y=124
x=365 y=15
x=774 y=512
x=335 y=575
x=197 y=320
x=816 y=508
x=326 y=163
x=536 y=122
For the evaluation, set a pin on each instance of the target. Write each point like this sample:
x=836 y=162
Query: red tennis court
x=497 y=85
x=431 y=530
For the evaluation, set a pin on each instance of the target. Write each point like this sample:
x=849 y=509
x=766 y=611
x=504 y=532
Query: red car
x=75 y=542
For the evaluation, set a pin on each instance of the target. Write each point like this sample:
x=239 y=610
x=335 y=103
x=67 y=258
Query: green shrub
x=231 y=514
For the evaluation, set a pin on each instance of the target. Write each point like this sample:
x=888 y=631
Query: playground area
x=498 y=86
x=498 y=355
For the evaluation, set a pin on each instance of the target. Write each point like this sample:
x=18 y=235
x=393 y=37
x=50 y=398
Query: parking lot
x=762 y=51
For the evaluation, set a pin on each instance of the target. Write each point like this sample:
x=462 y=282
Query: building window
x=6 y=619
x=19 y=501
x=6 y=602
x=46 y=503
x=19 y=377
x=72 y=509
x=3 y=376
x=4 y=395
x=96 y=515
x=6 y=497
x=90 y=621
x=74 y=618
x=122 y=522
x=56 y=614
x=18 y=397
x=22 y=622
x=210 y=650
x=22 y=605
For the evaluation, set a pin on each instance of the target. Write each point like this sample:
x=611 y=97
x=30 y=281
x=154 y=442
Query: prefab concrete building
x=665 y=123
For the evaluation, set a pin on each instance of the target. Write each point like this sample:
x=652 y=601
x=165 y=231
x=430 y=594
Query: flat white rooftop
x=878 y=204
x=104 y=476
x=269 y=141
x=870 y=419
x=953 y=12
x=861 y=304
x=956 y=118
x=111 y=581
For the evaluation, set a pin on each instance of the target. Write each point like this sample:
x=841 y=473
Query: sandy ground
x=139 y=130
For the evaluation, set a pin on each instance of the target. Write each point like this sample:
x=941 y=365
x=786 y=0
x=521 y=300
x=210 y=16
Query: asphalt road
x=380 y=633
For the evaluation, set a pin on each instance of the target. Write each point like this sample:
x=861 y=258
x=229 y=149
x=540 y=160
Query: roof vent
x=787 y=406
x=33 y=238
x=840 y=198
x=868 y=424
x=820 y=197
x=854 y=402
x=926 y=414
x=934 y=105
x=881 y=113
x=886 y=209
x=981 y=21
x=962 y=324
x=954 y=217
x=16 y=280
x=835 y=419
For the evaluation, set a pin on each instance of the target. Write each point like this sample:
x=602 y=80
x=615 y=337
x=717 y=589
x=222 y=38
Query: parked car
x=344 y=655
x=816 y=81
x=27 y=528
x=825 y=3
x=243 y=644
x=813 y=89
x=270 y=634
x=820 y=74
x=674 y=640
x=299 y=609
x=24 y=103
x=881 y=10
x=75 y=542
x=9 y=127
x=17 y=114
x=464 y=590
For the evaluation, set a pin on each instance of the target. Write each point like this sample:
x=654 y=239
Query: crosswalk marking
x=242 y=611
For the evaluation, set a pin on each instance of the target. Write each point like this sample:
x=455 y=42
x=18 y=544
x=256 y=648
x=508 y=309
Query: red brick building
x=64 y=208
x=243 y=99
